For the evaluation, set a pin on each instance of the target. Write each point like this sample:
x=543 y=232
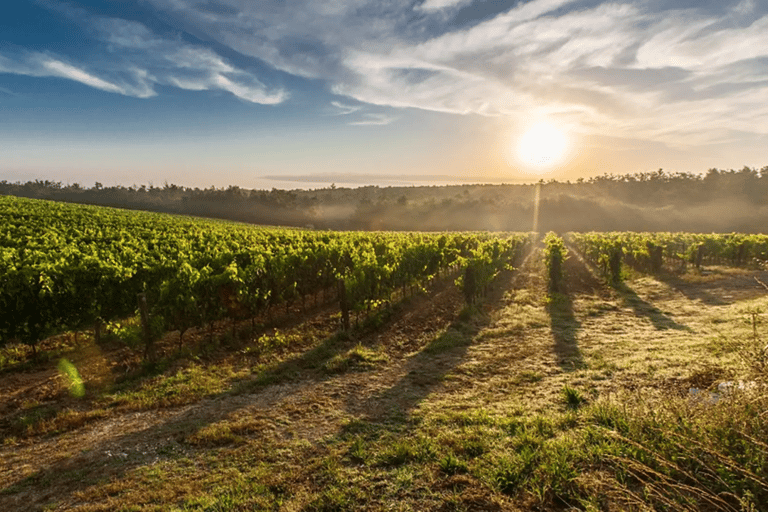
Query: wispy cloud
x=344 y=109
x=64 y=70
x=374 y=120
x=134 y=60
x=430 y=5
x=45 y=65
x=673 y=71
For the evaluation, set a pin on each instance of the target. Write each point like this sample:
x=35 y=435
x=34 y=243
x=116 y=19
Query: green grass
x=484 y=415
x=359 y=358
x=573 y=397
x=185 y=386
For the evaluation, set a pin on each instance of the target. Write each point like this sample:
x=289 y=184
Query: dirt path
x=311 y=408
x=516 y=355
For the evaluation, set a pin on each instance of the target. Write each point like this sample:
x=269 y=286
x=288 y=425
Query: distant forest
x=717 y=201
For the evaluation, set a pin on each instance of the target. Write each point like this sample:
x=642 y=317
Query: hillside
x=530 y=400
x=721 y=201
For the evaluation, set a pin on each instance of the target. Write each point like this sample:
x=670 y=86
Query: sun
x=542 y=147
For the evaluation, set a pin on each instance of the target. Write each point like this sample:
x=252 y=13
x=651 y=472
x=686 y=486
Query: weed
x=469 y=418
x=448 y=340
x=408 y=450
x=450 y=465
x=335 y=499
x=358 y=358
x=472 y=444
x=186 y=385
x=512 y=472
x=358 y=451
x=529 y=376
x=468 y=312
x=13 y=354
x=572 y=397
x=398 y=453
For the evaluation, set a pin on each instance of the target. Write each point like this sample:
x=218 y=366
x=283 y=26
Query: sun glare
x=542 y=147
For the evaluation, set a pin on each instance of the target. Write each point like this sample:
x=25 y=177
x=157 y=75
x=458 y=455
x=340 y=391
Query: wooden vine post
x=343 y=305
x=149 y=346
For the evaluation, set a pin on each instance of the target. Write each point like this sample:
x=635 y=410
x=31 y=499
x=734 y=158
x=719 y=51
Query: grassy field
x=584 y=400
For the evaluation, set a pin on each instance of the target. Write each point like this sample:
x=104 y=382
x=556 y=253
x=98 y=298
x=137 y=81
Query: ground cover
x=529 y=400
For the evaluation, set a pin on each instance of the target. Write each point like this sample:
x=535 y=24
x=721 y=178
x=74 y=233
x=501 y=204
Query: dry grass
x=577 y=399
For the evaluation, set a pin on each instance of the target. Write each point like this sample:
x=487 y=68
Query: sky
x=300 y=93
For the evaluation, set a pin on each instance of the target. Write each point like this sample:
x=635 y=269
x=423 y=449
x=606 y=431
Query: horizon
x=222 y=92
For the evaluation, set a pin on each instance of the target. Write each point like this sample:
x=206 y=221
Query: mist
x=717 y=201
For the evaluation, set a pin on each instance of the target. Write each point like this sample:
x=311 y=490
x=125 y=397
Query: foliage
x=554 y=256
x=650 y=252
x=64 y=267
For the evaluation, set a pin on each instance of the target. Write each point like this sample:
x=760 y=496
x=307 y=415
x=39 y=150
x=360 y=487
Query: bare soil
x=515 y=354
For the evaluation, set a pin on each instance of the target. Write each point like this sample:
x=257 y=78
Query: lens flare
x=72 y=378
x=536 y=198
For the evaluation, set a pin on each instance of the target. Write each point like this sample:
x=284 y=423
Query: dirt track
x=522 y=353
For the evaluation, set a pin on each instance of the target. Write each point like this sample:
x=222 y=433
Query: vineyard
x=68 y=268
x=654 y=252
x=157 y=362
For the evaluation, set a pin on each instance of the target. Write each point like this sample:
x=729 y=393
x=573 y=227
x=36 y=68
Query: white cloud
x=687 y=47
x=374 y=120
x=43 y=65
x=615 y=68
x=137 y=60
x=527 y=60
x=254 y=93
x=344 y=109
x=432 y=5
x=745 y=7
x=63 y=70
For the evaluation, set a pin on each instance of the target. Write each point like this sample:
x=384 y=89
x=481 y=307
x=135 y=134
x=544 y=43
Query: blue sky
x=220 y=92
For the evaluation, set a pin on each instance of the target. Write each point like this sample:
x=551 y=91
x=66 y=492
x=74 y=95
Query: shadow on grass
x=565 y=327
x=425 y=371
x=111 y=458
x=711 y=292
x=641 y=308
x=117 y=456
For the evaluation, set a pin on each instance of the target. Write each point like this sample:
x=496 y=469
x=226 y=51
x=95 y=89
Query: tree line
x=714 y=201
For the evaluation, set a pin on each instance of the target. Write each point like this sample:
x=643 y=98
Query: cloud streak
x=134 y=60
x=38 y=64
x=654 y=69
x=671 y=71
x=344 y=109
x=374 y=120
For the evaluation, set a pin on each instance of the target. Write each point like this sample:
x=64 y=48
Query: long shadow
x=703 y=291
x=565 y=327
x=307 y=363
x=116 y=456
x=641 y=308
x=425 y=371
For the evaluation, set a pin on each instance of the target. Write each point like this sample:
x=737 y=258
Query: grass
x=573 y=397
x=359 y=358
x=480 y=415
x=185 y=386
